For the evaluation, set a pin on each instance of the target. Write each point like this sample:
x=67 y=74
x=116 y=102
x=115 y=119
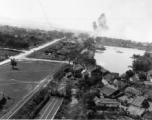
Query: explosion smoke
x=102 y=22
x=94 y=25
x=101 y=27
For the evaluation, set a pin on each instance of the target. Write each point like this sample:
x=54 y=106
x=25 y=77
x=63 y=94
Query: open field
x=27 y=71
x=17 y=83
x=7 y=52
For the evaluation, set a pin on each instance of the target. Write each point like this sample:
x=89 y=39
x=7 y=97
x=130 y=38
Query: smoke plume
x=94 y=25
x=100 y=26
x=102 y=22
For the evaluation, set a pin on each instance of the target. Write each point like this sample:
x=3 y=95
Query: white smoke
x=101 y=27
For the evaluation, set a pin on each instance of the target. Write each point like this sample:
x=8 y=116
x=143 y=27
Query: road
x=52 y=108
x=28 y=52
x=42 y=83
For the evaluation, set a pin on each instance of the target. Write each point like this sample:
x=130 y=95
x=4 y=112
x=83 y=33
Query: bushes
x=58 y=75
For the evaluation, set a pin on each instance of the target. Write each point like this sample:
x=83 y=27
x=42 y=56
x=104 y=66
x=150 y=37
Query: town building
x=108 y=91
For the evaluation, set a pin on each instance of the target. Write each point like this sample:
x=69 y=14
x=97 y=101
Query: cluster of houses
x=130 y=97
x=60 y=50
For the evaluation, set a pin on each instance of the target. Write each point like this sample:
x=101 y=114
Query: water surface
x=114 y=61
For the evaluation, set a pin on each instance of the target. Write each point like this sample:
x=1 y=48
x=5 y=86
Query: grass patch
x=7 y=53
x=27 y=71
x=17 y=83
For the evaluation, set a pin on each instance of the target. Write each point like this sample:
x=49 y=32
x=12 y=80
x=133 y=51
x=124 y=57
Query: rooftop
x=133 y=91
x=138 y=101
x=135 y=110
x=125 y=98
x=150 y=72
x=108 y=77
x=108 y=102
x=107 y=90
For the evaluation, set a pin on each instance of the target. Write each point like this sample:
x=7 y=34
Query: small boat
x=99 y=51
x=119 y=51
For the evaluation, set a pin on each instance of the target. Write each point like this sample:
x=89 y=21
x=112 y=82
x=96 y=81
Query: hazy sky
x=128 y=19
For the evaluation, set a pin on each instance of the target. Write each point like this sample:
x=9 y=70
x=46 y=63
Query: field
x=7 y=52
x=17 y=83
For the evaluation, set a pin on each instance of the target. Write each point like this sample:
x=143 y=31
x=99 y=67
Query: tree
x=129 y=73
x=90 y=114
x=83 y=35
x=13 y=63
x=2 y=41
x=88 y=43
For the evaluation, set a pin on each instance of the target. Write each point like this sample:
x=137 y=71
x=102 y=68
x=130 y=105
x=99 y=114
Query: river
x=114 y=61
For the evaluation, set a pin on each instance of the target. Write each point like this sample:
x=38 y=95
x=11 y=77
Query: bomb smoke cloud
x=102 y=22
x=100 y=26
x=94 y=25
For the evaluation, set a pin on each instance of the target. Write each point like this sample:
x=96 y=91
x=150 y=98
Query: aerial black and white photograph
x=76 y=59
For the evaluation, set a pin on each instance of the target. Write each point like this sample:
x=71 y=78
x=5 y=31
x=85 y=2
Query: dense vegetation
x=22 y=38
x=142 y=63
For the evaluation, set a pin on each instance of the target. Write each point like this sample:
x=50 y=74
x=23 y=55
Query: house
x=108 y=91
x=115 y=75
x=69 y=74
x=104 y=71
x=149 y=75
x=123 y=107
x=112 y=86
x=120 y=84
x=135 y=111
x=134 y=78
x=147 y=116
x=107 y=103
x=108 y=77
x=123 y=76
x=132 y=91
x=85 y=73
x=139 y=101
x=125 y=100
x=96 y=69
x=78 y=67
x=150 y=106
x=147 y=94
x=105 y=82
x=61 y=52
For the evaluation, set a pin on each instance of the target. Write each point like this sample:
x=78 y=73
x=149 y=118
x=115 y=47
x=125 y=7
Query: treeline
x=142 y=63
x=22 y=38
x=121 y=42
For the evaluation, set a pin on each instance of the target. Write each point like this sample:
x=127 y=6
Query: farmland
x=17 y=83
x=5 y=53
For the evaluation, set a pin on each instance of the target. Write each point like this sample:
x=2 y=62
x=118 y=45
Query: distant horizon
x=28 y=26
x=126 y=19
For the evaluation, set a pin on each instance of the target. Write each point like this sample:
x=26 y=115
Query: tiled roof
x=138 y=101
x=78 y=67
x=107 y=90
x=107 y=102
x=150 y=72
x=125 y=98
x=133 y=91
x=136 y=111
x=108 y=77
